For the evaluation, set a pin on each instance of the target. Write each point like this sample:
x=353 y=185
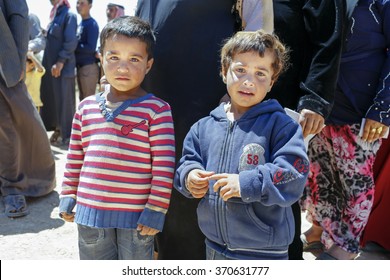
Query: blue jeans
x=114 y=244
x=211 y=254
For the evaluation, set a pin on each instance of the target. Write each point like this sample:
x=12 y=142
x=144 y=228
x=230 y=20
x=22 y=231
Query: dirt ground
x=41 y=234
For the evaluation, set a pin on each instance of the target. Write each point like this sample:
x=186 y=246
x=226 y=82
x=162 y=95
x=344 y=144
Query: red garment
x=378 y=226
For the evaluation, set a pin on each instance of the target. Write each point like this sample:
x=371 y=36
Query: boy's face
x=125 y=64
x=83 y=7
x=248 y=79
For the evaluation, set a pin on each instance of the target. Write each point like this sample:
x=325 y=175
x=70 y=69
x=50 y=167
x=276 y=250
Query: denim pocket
x=90 y=235
x=142 y=239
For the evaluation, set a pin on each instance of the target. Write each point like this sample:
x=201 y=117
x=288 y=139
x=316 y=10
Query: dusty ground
x=41 y=234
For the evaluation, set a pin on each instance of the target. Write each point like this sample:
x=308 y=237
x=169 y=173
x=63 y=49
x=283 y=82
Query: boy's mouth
x=121 y=78
x=245 y=92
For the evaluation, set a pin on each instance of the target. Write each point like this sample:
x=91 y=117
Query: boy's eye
x=134 y=59
x=260 y=74
x=113 y=57
x=240 y=70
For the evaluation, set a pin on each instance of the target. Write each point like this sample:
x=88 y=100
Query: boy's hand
x=145 y=230
x=198 y=182
x=68 y=217
x=227 y=184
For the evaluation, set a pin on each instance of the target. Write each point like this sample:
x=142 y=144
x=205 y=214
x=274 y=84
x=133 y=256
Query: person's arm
x=281 y=180
x=17 y=17
x=380 y=110
x=69 y=44
x=37 y=40
x=38 y=65
x=162 y=148
x=73 y=165
x=190 y=161
x=324 y=25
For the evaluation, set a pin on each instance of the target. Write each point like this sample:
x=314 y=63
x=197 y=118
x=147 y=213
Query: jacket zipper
x=223 y=168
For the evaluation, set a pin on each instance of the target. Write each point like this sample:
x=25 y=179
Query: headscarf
x=119 y=10
x=53 y=11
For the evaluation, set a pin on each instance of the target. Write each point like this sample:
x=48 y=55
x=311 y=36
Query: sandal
x=15 y=206
x=326 y=256
x=311 y=246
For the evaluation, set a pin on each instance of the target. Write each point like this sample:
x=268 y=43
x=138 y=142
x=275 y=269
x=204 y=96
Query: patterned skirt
x=339 y=192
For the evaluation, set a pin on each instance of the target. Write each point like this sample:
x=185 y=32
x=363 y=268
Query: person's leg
x=358 y=183
x=88 y=77
x=48 y=96
x=295 y=250
x=345 y=189
x=27 y=165
x=133 y=246
x=323 y=191
x=97 y=243
x=66 y=107
x=314 y=233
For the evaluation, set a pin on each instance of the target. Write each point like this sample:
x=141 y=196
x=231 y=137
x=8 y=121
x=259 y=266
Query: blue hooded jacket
x=266 y=148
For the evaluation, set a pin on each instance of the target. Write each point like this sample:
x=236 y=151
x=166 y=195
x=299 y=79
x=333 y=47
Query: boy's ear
x=149 y=65
x=271 y=85
x=223 y=74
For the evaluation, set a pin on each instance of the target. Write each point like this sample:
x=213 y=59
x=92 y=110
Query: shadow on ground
x=41 y=216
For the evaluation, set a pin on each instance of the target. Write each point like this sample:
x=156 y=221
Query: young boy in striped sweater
x=121 y=157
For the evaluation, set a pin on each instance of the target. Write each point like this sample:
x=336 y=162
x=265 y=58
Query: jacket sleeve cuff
x=66 y=205
x=313 y=102
x=181 y=179
x=248 y=192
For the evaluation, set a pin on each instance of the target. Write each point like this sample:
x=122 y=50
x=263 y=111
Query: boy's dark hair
x=257 y=41
x=132 y=27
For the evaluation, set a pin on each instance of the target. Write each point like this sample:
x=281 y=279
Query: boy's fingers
x=206 y=174
x=218 y=176
x=218 y=184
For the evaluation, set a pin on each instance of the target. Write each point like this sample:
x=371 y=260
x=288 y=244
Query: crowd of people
x=181 y=146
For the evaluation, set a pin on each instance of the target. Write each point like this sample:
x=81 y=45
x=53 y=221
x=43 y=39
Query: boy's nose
x=248 y=82
x=123 y=67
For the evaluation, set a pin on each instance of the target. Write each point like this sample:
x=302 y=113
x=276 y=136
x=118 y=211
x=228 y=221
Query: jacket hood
x=264 y=107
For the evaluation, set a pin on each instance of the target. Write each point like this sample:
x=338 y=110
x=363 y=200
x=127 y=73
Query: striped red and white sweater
x=120 y=169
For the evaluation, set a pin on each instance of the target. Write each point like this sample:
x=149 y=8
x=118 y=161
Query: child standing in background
x=121 y=158
x=34 y=73
x=247 y=159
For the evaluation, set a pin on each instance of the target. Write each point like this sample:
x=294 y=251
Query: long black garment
x=312 y=30
x=185 y=73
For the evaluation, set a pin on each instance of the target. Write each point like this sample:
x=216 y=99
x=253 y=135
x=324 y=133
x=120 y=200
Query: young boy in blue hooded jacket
x=247 y=159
